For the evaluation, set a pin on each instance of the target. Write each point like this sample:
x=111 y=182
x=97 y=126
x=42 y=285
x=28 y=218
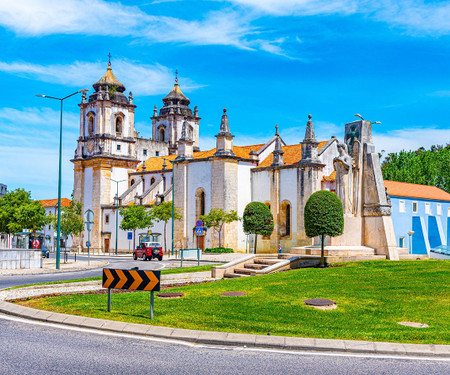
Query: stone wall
x=20 y=258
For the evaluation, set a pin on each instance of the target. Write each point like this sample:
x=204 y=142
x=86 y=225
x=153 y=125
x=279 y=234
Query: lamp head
x=83 y=90
x=41 y=96
x=358 y=115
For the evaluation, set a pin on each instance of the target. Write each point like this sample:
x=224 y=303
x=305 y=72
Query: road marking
x=218 y=347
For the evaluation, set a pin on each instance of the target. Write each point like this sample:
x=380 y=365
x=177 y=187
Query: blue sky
x=267 y=61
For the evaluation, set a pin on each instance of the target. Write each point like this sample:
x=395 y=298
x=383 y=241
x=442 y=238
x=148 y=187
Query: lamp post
x=173 y=197
x=372 y=122
x=410 y=241
x=117 y=208
x=58 y=230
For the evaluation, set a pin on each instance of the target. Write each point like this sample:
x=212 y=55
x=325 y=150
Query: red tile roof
x=405 y=189
x=292 y=155
x=156 y=163
x=65 y=202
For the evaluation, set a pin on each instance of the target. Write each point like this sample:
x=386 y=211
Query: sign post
x=89 y=221
x=132 y=280
x=130 y=237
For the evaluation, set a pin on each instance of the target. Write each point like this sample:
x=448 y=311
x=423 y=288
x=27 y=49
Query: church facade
x=112 y=159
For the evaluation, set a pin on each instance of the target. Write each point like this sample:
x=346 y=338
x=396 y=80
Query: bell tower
x=106 y=149
x=168 y=125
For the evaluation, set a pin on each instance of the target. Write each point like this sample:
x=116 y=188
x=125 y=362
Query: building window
x=152 y=181
x=145 y=152
x=119 y=127
x=91 y=125
x=401 y=242
x=162 y=135
x=118 y=147
x=157 y=153
x=285 y=219
x=106 y=219
x=439 y=209
x=415 y=207
x=49 y=227
x=428 y=208
x=401 y=206
x=132 y=182
x=199 y=203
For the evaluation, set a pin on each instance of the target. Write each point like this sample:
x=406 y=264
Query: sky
x=269 y=62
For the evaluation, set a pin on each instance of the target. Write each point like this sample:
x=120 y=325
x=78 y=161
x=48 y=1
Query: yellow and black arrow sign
x=131 y=279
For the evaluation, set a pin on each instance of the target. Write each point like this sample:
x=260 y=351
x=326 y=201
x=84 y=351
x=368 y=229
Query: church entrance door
x=106 y=245
x=201 y=242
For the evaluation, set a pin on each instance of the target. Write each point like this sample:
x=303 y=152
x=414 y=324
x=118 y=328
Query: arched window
x=132 y=182
x=162 y=135
x=285 y=219
x=91 y=125
x=152 y=181
x=118 y=126
x=199 y=203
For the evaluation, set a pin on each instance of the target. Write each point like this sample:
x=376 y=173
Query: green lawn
x=372 y=297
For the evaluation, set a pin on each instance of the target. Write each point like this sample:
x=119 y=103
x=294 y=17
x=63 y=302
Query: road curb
x=230 y=339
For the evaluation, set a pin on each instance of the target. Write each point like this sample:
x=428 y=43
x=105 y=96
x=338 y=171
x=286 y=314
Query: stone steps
x=255 y=266
x=266 y=261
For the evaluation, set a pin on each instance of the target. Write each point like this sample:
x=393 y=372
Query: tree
x=32 y=216
x=72 y=222
x=9 y=210
x=135 y=217
x=258 y=220
x=216 y=218
x=163 y=212
x=324 y=216
x=426 y=167
x=18 y=211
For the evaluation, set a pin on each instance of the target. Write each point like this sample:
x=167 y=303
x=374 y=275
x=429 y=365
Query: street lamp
x=173 y=196
x=58 y=231
x=117 y=208
x=372 y=122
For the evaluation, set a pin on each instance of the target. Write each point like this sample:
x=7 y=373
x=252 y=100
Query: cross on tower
x=109 y=58
x=276 y=128
x=176 y=76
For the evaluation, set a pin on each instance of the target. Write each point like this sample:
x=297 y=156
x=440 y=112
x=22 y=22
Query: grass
x=371 y=296
x=168 y=271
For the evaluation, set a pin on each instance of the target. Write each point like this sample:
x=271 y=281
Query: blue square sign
x=130 y=235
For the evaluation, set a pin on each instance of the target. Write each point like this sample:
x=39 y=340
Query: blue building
x=422 y=209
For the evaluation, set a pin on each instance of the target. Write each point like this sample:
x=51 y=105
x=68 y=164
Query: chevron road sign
x=132 y=280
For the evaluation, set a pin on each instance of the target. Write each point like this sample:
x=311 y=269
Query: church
x=112 y=161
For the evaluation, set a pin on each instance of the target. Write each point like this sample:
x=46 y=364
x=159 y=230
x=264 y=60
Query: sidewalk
x=205 y=337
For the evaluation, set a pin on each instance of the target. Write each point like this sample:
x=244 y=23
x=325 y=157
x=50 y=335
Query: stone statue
x=343 y=165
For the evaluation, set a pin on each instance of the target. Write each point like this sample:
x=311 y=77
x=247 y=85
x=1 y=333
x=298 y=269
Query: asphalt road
x=115 y=262
x=38 y=348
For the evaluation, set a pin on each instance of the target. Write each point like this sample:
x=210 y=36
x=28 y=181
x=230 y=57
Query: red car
x=148 y=251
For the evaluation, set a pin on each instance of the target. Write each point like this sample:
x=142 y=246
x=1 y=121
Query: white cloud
x=91 y=17
x=144 y=79
x=410 y=138
x=300 y=7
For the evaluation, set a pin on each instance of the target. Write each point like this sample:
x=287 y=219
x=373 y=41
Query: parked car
x=45 y=253
x=148 y=251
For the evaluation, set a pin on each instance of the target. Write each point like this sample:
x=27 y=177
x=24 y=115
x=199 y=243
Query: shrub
x=258 y=220
x=219 y=250
x=324 y=216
